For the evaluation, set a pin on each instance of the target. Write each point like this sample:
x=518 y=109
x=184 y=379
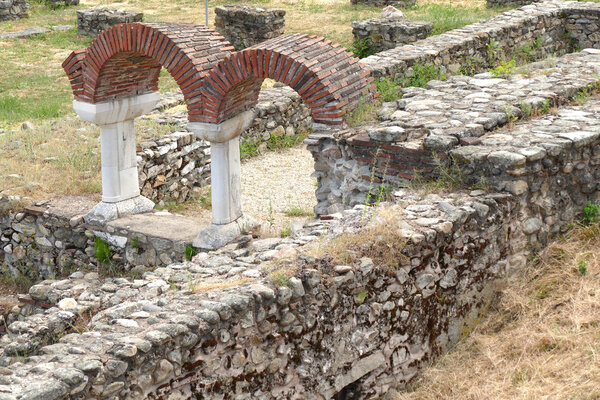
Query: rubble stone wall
x=505 y=3
x=245 y=26
x=548 y=24
x=381 y=3
x=13 y=9
x=384 y=33
x=94 y=20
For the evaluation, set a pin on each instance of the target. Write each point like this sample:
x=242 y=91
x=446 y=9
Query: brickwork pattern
x=125 y=60
x=328 y=79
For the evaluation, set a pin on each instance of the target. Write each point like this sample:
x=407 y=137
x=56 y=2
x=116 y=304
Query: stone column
x=120 y=186
x=228 y=221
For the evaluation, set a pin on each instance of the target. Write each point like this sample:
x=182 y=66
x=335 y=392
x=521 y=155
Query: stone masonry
x=94 y=20
x=13 y=9
x=504 y=3
x=381 y=3
x=245 y=26
x=57 y=3
x=384 y=33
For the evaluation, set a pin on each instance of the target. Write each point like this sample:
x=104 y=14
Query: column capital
x=118 y=110
x=223 y=131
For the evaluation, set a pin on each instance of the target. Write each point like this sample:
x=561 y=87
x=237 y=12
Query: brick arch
x=126 y=59
x=326 y=76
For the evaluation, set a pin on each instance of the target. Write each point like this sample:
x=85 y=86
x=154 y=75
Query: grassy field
x=541 y=342
x=34 y=87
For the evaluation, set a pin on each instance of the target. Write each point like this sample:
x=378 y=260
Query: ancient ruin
x=273 y=318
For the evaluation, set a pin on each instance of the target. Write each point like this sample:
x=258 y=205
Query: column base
x=104 y=212
x=216 y=236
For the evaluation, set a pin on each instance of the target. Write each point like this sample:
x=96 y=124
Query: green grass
x=296 y=211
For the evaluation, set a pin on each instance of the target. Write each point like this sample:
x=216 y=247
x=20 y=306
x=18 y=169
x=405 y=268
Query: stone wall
x=57 y=3
x=245 y=26
x=94 y=20
x=468 y=47
x=173 y=167
x=50 y=239
x=385 y=33
x=505 y=3
x=13 y=9
x=380 y=3
x=444 y=116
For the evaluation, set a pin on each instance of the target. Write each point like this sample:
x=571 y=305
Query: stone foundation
x=95 y=20
x=505 y=3
x=381 y=3
x=245 y=26
x=384 y=34
x=57 y=3
x=13 y=9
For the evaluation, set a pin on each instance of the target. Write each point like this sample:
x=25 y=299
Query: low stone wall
x=447 y=115
x=57 y=3
x=50 y=239
x=467 y=48
x=95 y=20
x=13 y=9
x=245 y=26
x=380 y=3
x=385 y=33
x=173 y=167
x=505 y=3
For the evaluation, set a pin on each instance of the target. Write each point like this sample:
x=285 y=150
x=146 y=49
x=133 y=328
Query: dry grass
x=378 y=239
x=542 y=342
x=203 y=287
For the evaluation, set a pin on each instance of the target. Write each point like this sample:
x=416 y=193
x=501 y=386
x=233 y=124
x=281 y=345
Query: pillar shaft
x=225 y=181
x=119 y=166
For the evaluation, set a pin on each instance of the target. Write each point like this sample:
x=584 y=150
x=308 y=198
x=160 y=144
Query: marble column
x=120 y=186
x=228 y=220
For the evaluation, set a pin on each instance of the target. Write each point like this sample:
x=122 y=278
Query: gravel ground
x=273 y=183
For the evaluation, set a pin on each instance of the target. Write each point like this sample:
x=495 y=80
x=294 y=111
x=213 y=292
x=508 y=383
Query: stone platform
x=50 y=237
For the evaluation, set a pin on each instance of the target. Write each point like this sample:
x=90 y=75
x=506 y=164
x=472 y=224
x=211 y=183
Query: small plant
x=249 y=147
x=389 y=89
x=546 y=106
x=205 y=198
x=362 y=48
x=360 y=297
x=296 y=211
x=190 y=251
x=526 y=109
x=362 y=113
x=591 y=212
x=102 y=251
x=494 y=53
x=285 y=232
x=472 y=66
x=279 y=279
x=582 y=267
x=582 y=97
x=423 y=73
x=271 y=217
x=504 y=69
x=135 y=243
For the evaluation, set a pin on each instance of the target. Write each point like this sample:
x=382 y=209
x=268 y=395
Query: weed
x=423 y=73
x=362 y=48
x=472 y=66
x=591 y=212
x=362 y=113
x=102 y=251
x=446 y=176
x=504 y=69
x=280 y=279
x=285 y=232
x=582 y=97
x=582 y=267
x=360 y=297
x=135 y=243
x=390 y=90
x=494 y=53
x=526 y=109
x=546 y=106
x=296 y=211
x=271 y=217
x=190 y=251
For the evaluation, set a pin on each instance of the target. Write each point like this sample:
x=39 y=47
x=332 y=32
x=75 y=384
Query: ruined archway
x=115 y=80
x=327 y=77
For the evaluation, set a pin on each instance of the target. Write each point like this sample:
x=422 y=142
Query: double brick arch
x=326 y=76
x=125 y=60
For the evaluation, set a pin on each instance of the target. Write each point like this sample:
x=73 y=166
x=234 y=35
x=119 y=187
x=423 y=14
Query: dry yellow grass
x=542 y=341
